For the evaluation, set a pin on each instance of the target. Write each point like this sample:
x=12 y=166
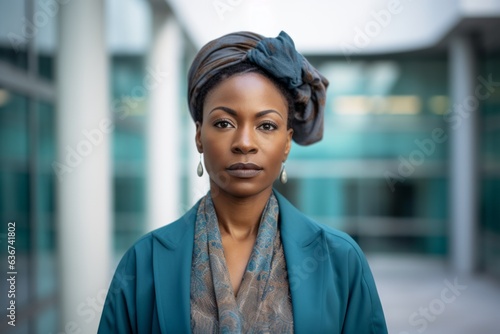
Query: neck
x=239 y=217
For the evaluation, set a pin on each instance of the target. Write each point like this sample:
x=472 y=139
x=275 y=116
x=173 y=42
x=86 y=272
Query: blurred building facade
x=409 y=163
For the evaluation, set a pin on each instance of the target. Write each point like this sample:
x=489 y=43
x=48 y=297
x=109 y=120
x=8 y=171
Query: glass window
x=27 y=195
x=14 y=188
x=27 y=150
x=45 y=17
x=15 y=32
x=490 y=168
x=129 y=147
x=45 y=255
x=382 y=116
x=47 y=321
x=14 y=177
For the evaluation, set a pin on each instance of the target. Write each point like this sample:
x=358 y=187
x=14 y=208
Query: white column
x=83 y=167
x=463 y=156
x=164 y=120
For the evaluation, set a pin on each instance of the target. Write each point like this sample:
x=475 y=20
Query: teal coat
x=331 y=285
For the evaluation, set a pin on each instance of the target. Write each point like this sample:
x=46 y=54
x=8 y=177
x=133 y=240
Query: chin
x=241 y=189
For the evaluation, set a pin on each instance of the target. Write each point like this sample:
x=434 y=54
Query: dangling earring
x=283 y=175
x=199 y=170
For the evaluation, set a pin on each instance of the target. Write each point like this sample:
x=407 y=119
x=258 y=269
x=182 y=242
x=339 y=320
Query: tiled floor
x=420 y=295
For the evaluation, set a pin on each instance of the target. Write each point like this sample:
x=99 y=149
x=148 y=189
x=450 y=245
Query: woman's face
x=244 y=135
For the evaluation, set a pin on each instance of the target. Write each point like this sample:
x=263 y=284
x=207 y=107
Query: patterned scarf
x=263 y=303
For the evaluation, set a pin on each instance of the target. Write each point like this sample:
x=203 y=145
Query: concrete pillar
x=464 y=215
x=164 y=128
x=83 y=170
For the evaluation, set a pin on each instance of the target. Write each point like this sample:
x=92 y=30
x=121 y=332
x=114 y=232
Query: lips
x=244 y=170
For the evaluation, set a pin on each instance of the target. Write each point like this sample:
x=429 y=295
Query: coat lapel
x=304 y=245
x=172 y=257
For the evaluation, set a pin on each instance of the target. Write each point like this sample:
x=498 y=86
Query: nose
x=244 y=141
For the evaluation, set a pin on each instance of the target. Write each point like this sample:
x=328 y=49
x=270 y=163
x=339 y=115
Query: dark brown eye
x=268 y=126
x=223 y=124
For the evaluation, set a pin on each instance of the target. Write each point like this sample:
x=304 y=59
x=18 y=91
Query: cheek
x=279 y=151
x=212 y=150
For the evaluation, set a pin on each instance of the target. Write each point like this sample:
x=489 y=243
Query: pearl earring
x=283 y=175
x=199 y=170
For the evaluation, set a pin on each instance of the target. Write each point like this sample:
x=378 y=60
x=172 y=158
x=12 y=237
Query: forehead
x=246 y=91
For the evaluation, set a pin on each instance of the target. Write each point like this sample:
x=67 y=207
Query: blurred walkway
x=420 y=295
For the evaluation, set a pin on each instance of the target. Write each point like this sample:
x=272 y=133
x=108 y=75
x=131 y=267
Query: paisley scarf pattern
x=263 y=303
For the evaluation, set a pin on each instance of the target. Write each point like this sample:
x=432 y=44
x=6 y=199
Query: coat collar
x=172 y=257
x=304 y=245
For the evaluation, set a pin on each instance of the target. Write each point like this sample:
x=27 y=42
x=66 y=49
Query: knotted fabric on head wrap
x=277 y=57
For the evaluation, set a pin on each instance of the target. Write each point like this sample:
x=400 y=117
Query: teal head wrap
x=277 y=57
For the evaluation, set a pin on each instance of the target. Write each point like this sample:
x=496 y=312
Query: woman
x=243 y=259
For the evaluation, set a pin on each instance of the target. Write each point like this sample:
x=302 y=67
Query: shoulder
x=340 y=241
x=307 y=225
x=343 y=251
x=341 y=247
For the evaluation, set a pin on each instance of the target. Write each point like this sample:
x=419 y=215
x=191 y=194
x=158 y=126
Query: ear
x=288 y=145
x=197 y=138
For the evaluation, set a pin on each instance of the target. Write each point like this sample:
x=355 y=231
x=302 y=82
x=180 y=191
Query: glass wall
x=27 y=183
x=27 y=151
x=490 y=166
x=129 y=111
x=380 y=171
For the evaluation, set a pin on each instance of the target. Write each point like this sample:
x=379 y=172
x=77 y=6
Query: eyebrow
x=234 y=113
